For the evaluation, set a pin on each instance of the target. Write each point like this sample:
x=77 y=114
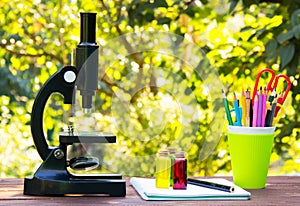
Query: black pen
x=211 y=185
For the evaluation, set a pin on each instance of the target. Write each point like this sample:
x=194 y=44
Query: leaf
x=248 y=3
x=261 y=32
x=275 y=22
x=286 y=54
x=247 y=28
x=296 y=31
x=293 y=66
x=160 y=3
x=272 y=55
x=271 y=50
x=164 y=20
x=271 y=46
x=149 y=16
x=286 y=36
x=232 y=5
x=189 y=11
x=295 y=18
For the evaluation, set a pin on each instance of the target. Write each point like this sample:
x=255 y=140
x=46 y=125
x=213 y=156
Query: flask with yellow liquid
x=163 y=164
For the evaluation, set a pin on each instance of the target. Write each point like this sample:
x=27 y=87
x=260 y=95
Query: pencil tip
x=247 y=94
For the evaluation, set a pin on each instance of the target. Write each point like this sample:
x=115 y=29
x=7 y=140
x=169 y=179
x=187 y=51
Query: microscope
x=53 y=178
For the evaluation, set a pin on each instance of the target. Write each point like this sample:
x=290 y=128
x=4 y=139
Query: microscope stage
x=82 y=137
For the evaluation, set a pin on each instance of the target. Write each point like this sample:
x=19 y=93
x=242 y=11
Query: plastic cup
x=250 y=150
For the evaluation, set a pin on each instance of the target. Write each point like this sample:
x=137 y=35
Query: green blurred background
x=239 y=37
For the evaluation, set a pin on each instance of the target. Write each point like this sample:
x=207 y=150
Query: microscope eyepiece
x=87 y=60
x=88 y=27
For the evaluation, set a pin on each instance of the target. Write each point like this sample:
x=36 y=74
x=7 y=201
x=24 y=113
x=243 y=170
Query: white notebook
x=148 y=191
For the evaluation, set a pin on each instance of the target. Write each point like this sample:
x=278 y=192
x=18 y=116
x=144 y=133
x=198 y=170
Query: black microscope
x=53 y=177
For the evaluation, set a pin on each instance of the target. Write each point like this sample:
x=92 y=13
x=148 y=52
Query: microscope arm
x=62 y=82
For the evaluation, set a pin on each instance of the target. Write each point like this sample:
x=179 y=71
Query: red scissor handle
x=269 y=86
x=281 y=100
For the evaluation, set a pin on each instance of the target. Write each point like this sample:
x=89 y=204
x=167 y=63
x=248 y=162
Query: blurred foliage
x=238 y=37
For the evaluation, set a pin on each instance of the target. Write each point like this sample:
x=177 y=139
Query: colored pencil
x=259 y=110
x=274 y=103
x=264 y=102
x=272 y=96
x=244 y=112
x=228 y=115
x=248 y=102
x=255 y=110
x=237 y=110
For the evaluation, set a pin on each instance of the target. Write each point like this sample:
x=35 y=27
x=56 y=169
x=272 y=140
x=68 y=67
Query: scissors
x=273 y=84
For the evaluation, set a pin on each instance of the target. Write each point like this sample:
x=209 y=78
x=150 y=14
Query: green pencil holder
x=250 y=150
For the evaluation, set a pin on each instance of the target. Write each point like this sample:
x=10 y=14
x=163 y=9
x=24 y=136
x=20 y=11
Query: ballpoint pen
x=211 y=185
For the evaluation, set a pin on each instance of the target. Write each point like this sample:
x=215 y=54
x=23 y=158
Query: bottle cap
x=163 y=152
x=180 y=154
x=172 y=150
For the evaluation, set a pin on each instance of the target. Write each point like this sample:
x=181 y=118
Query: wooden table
x=280 y=190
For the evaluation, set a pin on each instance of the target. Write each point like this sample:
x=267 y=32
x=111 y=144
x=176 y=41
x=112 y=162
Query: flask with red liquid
x=180 y=171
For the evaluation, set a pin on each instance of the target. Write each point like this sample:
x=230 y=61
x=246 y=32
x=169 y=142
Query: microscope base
x=64 y=185
x=53 y=179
